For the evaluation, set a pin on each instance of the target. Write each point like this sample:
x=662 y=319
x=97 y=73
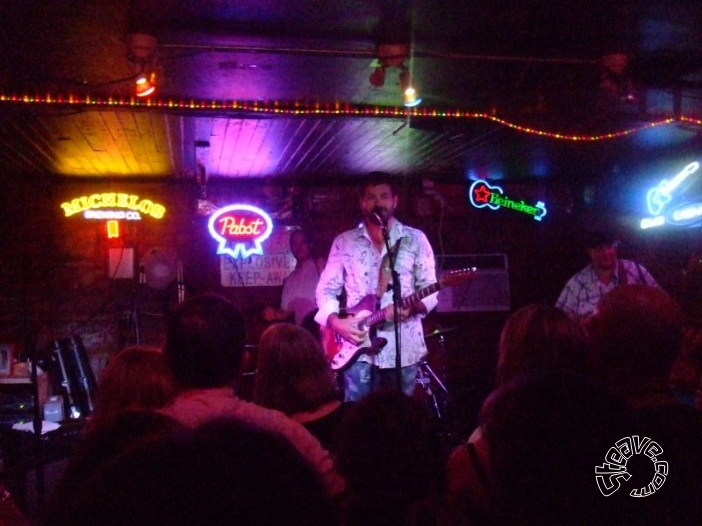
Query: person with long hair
x=136 y=378
x=535 y=339
x=540 y=336
x=294 y=376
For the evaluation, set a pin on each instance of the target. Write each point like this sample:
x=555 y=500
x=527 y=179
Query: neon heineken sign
x=484 y=195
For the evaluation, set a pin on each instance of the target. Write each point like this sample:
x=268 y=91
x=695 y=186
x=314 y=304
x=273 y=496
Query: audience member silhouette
x=686 y=374
x=222 y=472
x=293 y=376
x=135 y=378
x=136 y=381
x=540 y=337
x=204 y=348
x=102 y=445
x=546 y=433
x=391 y=454
x=637 y=335
x=10 y=513
x=535 y=338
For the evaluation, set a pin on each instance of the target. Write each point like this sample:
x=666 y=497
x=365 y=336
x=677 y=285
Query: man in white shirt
x=358 y=264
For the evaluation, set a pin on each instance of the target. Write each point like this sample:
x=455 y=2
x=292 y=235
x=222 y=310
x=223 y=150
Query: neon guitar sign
x=657 y=198
x=482 y=194
x=240 y=230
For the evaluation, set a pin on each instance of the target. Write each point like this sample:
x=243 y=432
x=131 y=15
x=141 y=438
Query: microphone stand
x=37 y=420
x=396 y=303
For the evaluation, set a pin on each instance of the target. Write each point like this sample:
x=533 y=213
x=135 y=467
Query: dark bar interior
x=129 y=130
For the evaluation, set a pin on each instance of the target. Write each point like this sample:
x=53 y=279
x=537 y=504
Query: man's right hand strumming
x=347 y=328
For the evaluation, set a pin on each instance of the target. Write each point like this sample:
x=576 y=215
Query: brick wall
x=54 y=270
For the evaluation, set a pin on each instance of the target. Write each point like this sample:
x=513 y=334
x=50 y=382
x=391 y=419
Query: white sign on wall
x=266 y=270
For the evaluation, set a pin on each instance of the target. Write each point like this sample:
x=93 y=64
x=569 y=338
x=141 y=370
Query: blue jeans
x=363 y=378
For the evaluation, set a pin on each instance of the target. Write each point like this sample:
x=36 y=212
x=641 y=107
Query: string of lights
x=298 y=109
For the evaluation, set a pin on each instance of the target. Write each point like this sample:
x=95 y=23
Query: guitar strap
x=385 y=272
x=621 y=274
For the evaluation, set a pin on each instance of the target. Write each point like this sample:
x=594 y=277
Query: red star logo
x=482 y=194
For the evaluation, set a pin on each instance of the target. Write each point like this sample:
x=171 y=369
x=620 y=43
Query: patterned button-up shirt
x=354 y=263
x=583 y=291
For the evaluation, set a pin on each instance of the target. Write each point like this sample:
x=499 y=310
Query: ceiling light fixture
x=145 y=84
x=141 y=54
x=408 y=92
x=394 y=56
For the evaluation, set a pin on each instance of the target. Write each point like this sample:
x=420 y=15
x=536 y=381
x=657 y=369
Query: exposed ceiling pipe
x=370 y=54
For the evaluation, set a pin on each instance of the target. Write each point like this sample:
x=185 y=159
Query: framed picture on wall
x=7 y=356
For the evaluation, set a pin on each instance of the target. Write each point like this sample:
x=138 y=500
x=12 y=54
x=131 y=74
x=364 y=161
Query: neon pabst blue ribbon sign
x=484 y=195
x=240 y=230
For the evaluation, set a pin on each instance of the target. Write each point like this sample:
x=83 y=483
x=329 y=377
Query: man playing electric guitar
x=359 y=264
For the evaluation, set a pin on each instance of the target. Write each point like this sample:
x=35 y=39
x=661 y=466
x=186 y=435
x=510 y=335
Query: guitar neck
x=421 y=294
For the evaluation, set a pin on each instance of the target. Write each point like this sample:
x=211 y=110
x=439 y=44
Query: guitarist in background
x=583 y=291
x=358 y=263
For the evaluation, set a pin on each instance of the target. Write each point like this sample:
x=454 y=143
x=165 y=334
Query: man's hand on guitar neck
x=347 y=328
x=412 y=310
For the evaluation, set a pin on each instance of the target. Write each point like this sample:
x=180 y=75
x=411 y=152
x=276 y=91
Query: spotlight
x=394 y=56
x=411 y=98
x=142 y=56
x=408 y=92
x=145 y=85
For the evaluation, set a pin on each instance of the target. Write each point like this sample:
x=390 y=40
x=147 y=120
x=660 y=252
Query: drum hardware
x=434 y=389
x=436 y=394
x=439 y=331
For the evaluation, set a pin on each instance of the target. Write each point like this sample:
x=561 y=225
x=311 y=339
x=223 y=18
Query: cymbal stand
x=434 y=389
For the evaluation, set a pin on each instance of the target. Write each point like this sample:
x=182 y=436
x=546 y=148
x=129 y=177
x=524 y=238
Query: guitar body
x=341 y=358
x=342 y=354
x=345 y=358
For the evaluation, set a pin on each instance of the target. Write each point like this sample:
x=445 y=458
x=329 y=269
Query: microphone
x=379 y=216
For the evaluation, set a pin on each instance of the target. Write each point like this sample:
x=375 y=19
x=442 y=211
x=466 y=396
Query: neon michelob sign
x=482 y=195
x=240 y=230
x=659 y=197
x=113 y=206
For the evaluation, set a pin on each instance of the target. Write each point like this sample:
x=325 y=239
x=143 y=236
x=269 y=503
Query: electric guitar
x=342 y=355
